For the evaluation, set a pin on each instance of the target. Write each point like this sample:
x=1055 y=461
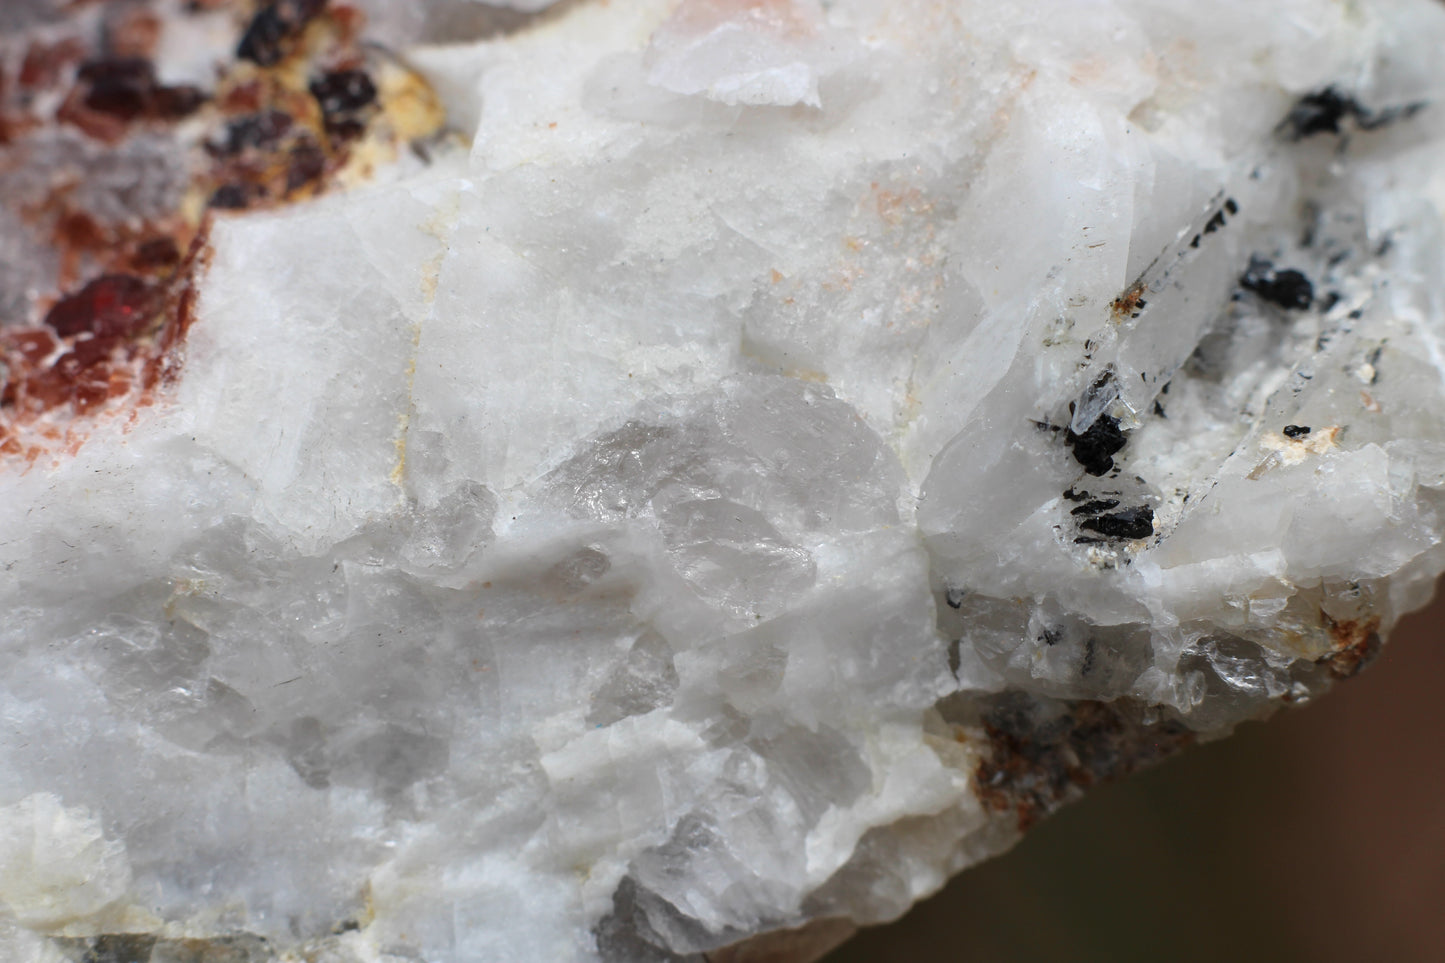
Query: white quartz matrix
x=778 y=450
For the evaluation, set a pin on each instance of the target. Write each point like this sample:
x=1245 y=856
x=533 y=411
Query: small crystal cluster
x=762 y=457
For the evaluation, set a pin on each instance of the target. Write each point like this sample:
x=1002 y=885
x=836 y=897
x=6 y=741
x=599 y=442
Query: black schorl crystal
x=1130 y=523
x=1096 y=447
x=1289 y=288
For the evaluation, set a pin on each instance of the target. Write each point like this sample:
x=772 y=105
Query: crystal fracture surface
x=768 y=454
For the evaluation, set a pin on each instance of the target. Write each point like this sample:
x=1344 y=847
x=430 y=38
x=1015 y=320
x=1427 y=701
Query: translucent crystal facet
x=762 y=457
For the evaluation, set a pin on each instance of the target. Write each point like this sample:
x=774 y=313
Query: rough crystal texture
x=774 y=453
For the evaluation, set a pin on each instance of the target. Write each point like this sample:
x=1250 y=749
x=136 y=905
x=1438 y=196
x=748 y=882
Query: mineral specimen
x=761 y=458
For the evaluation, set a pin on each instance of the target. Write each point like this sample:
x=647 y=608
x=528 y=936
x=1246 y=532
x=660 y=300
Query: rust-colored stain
x=1042 y=755
x=894 y=206
x=296 y=100
x=1130 y=303
x=1357 y=643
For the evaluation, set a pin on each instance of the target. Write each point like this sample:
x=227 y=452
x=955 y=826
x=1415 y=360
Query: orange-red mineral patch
x=297 y=105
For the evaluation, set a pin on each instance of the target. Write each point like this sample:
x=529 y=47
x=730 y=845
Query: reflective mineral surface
x=613 y=481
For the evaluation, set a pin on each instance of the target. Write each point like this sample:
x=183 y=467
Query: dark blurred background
x=1316 y=836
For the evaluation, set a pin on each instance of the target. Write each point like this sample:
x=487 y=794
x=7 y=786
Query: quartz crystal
x=755 y=461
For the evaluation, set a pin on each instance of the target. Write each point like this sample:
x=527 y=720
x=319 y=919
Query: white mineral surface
x=719 y=490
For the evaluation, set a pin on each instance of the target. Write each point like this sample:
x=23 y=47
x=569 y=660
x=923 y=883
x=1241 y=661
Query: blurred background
x=1316 y=836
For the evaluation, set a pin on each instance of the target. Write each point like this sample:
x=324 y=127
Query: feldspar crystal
x=760 y=458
